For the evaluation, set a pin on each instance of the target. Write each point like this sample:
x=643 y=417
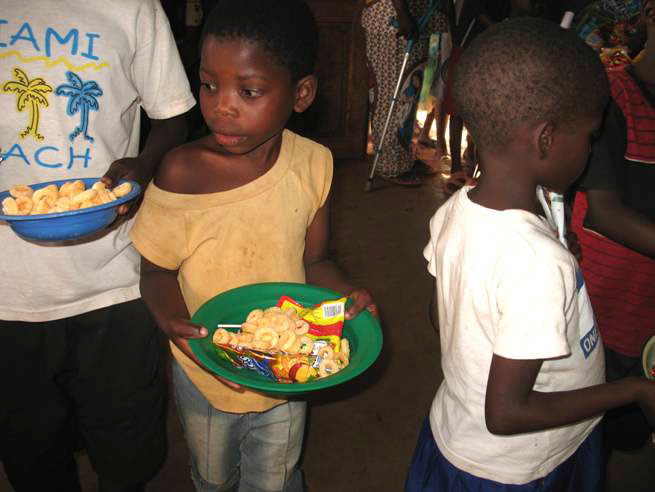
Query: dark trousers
x=95 y=379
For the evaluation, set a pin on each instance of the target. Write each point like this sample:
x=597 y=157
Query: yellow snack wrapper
x=325 y=319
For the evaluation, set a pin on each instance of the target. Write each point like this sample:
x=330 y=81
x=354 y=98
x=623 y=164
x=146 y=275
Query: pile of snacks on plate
x=71 y=195
x=289 y=342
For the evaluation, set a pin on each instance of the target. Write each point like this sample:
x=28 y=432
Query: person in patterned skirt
x=385 y=50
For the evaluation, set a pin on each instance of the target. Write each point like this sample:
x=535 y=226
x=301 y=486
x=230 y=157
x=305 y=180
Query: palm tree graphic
x=31 y=95
x=82 y=98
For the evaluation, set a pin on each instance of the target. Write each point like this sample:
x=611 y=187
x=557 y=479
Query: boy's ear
x=544 y=135
x=305 y=93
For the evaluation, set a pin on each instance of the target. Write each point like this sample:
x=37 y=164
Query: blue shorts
x=430 y=471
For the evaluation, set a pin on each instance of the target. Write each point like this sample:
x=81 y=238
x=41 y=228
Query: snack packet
x=325 y=319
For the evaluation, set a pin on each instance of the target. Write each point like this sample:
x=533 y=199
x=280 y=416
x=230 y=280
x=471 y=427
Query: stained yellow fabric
x=219 y=241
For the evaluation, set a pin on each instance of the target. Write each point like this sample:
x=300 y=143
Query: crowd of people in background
x=608 y=26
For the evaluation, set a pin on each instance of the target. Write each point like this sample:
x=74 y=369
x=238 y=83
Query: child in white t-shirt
x=80 y=357
x=523 y=365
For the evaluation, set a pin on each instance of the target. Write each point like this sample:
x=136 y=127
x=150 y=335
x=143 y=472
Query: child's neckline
x=247 y=190
x=508 y=211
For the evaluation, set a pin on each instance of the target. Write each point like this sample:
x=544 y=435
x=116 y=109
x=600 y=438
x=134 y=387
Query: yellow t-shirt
x=219 y=241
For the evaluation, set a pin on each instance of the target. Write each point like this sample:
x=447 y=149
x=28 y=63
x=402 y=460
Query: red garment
x=639 y=117
x=621 y=286
x=620 y=281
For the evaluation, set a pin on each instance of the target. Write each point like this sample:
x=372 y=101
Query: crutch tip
x=368 y=185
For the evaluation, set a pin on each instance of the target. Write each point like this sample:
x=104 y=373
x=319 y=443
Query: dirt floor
x=360 y=436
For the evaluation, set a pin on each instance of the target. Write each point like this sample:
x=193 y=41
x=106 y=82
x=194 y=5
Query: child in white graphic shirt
x=523 y=365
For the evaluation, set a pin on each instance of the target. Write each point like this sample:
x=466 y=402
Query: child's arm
x=321 y=270
x=512 y=406
x=161 y=293
x=160 y=288
x=611 y=218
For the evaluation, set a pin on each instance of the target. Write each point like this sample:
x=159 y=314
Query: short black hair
x=285 y=28
x=523 y=71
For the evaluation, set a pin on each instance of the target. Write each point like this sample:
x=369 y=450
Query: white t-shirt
x=73 y=75
x=505 y=285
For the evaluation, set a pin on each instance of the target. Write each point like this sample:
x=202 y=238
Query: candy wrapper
x=615 y=58
x=325 y=319
x=289 y=342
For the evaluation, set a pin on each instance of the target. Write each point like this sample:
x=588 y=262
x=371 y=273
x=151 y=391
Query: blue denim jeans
x=250 y=452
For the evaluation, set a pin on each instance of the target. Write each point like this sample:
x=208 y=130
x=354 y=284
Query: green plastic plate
x=648 y=357
x=232 y=307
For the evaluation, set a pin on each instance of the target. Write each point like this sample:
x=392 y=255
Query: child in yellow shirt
x=247 y=203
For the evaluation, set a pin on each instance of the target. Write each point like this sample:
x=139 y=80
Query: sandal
x=456 y=181
x=428 y=143
x=441 y=153
x=405 y=179
x=423 y=168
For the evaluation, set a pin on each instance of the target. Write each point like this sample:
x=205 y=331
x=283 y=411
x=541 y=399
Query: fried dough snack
x=72 y=195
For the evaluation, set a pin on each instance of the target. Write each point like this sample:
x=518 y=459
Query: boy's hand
x=178 y=328
x=361 y=299
x=183 y=328
x=132 y=168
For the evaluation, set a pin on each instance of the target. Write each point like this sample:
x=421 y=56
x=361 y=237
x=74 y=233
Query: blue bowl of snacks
x=65 y=209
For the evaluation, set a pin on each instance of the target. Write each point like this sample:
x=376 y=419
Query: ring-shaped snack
x=249 y=327
x=327 y=367
x=254 y=315
x=306 y=345
x=345 y=346
x=9 y=206
x=85 y=196
x=280 y=323
x=302 y=327
x=20 y=190
x=326 y=352
x=25 y=205
x=221 y=336
x=286 y=340
x=341 y=360
x=122 y=189
x=266 y=334
x=50 y=191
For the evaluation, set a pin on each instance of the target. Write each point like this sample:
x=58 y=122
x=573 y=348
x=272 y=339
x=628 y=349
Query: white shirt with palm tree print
x=73 y=75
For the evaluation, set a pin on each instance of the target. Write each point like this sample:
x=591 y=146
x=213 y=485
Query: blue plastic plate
x=74 y=224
